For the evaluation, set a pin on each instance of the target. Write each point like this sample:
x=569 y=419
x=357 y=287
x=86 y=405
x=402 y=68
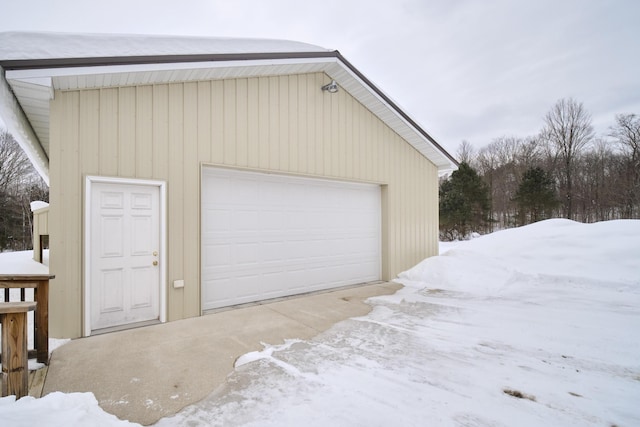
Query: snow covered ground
x=530 y=326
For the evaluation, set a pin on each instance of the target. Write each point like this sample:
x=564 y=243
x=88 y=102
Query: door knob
x=155 y=262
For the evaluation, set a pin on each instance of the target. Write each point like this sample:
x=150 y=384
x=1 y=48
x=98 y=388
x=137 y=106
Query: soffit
x=34 y=99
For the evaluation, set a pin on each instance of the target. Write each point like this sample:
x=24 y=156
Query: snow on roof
x=38 y=204
x=46 y=45
x=33 y=64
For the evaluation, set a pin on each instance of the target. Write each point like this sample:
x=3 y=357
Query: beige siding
x=165 y=132
x=40 y=228
x=65 y=215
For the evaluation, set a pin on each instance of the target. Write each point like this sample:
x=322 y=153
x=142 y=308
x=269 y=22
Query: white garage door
x=266 y=236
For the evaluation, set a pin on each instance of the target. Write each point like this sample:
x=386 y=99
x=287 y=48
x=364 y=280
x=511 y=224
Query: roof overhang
x=20 y=126
x=28 y=85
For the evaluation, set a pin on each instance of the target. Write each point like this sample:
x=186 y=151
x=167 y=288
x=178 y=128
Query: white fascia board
x=39 y=81
x=450 y=165
x=40 y=73
x=20 y=128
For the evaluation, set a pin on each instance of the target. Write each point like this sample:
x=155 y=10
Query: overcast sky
x=464 y=69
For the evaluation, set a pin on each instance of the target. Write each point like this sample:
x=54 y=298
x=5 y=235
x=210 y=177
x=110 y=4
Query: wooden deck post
x=41 y=335
x=15 y=368
x=40 y=285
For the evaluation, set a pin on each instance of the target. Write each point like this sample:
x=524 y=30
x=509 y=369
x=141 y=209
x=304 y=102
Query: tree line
x=19 y=186
x=566 y=170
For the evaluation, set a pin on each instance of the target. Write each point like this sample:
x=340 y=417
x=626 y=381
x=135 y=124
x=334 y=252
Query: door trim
x=162 y=186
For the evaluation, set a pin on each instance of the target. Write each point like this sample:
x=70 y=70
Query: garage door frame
x=382 y=226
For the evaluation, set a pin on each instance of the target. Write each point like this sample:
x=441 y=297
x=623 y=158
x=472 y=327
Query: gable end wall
x=168 y=131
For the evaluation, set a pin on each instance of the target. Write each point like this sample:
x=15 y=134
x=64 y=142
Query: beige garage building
x=190 y=174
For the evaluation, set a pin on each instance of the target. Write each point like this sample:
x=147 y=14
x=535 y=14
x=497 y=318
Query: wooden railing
x=40 y=286
x=15 y=363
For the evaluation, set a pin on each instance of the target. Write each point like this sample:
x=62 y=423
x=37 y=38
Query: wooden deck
x=36 y=381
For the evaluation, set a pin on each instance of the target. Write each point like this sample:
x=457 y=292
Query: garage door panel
x=213 y=289
x=218 y=220
x=243 y=191
x=245 y=253
x=273 y=251
x=271 y=220
x=267 y=236
x=215 y=255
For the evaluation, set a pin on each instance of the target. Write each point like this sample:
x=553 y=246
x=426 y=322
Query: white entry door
x=267 y=236
x=124 y=257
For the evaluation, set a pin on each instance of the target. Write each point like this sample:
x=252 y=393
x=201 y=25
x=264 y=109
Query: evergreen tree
x=464 y=203
x=536 y=196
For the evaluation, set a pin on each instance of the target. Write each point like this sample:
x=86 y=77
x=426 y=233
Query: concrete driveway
x=145 y=374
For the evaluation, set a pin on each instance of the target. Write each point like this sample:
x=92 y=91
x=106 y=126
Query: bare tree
x=14 y=163
x=19 y=185
x=594 y=193
x=597 y=178
x=465 y=152
x=487 y=160
x=626 y=132
x=568 y=130
x=502 y=164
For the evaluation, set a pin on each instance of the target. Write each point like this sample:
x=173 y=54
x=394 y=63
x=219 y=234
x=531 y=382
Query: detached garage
x=190 y=174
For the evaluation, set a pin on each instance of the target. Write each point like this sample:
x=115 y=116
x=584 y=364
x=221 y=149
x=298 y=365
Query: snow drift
x=530 y=326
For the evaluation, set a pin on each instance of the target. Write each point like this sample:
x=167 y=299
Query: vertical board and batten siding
x=167 y=131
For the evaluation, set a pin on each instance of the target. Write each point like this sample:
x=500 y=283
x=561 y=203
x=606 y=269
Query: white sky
x=463 y=69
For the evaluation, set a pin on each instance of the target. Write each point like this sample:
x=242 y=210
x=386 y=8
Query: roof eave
x=444 y=163
x=20 y=128
x=400 y=111
x=30 y=64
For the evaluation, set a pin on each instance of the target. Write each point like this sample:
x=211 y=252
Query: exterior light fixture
x=331 y=87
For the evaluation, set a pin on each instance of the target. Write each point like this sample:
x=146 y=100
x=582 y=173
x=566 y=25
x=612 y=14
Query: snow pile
x=557 y=247
x=22 y=262
x=531 y=326
x=57 y=409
